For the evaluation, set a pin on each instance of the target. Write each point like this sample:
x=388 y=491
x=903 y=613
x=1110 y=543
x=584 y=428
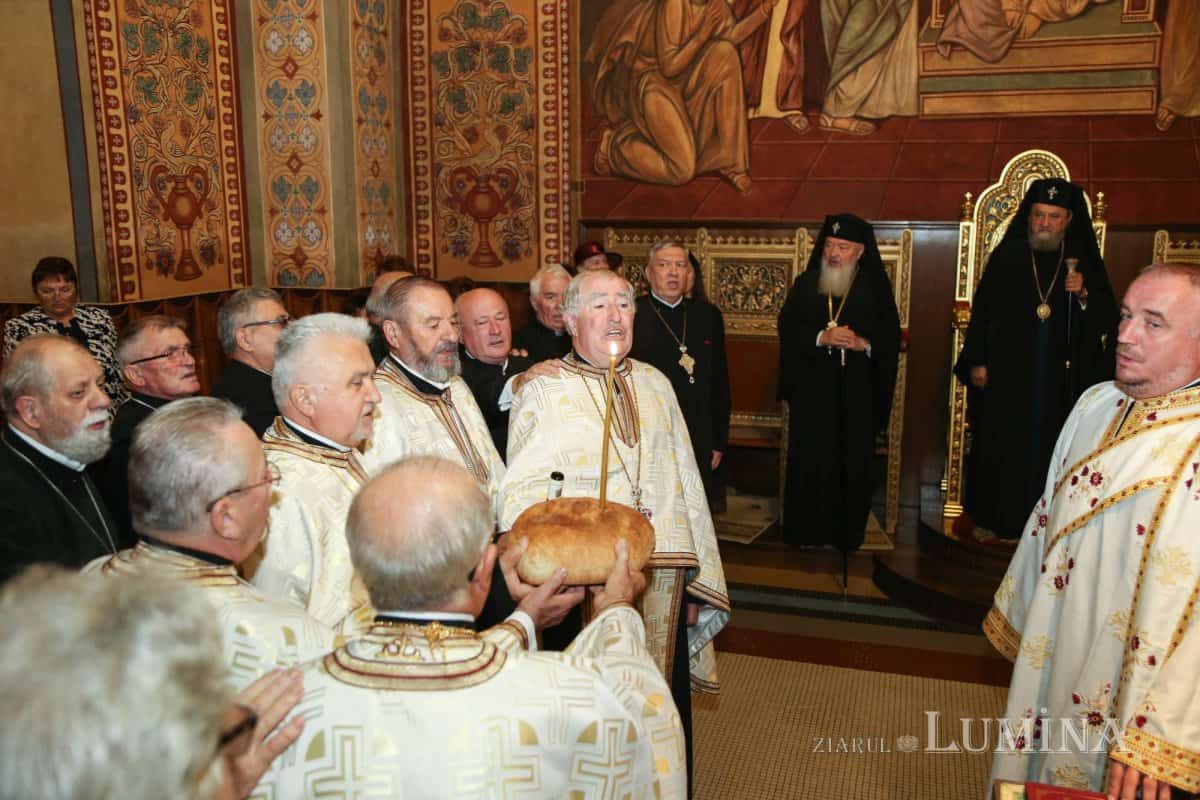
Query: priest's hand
x=979 y=377
x=623 y=584
x=272 y=697
x=841 y=336
x=542 y=369
x=519 y=352
x=1074 y=283
x=547 y=604
x=1124 y=780
x=717 y=455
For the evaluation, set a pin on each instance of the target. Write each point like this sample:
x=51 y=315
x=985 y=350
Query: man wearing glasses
x=158 y=366
x=249 y=324
x=200 y=496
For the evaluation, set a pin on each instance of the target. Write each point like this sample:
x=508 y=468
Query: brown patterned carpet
x=757 y=739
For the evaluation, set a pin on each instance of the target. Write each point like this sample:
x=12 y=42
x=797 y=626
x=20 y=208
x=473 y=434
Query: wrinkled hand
x=860 y=344
x=622 y=586
x=841 y=336
x=1074 y=282
x=272 y=697
x=717 y=455
x=1123 y=782
x=542 y=369
x=979 y=377
x=547 y=604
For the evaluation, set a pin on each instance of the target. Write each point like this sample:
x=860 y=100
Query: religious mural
x=170 y=162
x=293 y=120
x=675 y=92
x=487 y=104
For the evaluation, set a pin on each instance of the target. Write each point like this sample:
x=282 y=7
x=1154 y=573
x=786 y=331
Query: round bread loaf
x=573 y=532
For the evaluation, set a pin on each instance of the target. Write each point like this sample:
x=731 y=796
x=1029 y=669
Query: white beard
x=835 y=280
x=84 y=446
x=1046 y=242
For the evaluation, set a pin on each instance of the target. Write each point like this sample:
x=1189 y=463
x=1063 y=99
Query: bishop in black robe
x=838 y=398
x=1036 y=367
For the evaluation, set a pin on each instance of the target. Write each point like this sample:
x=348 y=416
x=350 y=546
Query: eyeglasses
x=174 y=354
x=273 y=478
x=282 y=321
x=235 y=740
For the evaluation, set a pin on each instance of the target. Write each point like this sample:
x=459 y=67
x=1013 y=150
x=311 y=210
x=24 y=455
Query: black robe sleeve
x=720 y=400
x=885 y=350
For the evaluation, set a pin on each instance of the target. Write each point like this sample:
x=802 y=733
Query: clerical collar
x=53 y=455
x=199 y=555
x=503 y=367
x=665 y=303
x=451 y=619
x=314 y=438
x=423 y=384
x=152 y=403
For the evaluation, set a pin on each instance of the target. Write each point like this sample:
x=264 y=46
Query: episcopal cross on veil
x=836 y=226
x=1051 y=192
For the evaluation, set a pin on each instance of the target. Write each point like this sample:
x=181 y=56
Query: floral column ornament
x=294 y=141
x=488 y=118
x=374 y=160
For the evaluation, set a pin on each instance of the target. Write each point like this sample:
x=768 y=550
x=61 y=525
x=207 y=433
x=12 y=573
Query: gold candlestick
x=608 y=404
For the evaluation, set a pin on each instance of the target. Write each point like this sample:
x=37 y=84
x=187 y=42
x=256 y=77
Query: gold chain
x=833 y=318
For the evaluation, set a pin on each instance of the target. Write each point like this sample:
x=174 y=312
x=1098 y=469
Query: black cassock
x=249 y=389
x=111 y=473
x=705 y=403
x=42 y=525
x=486 y=382
x=1030 y=390
x=541 y=343
x=835 y=411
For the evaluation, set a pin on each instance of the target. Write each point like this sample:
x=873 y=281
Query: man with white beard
x=426 y=408
x=51 y=390
x=839 y=336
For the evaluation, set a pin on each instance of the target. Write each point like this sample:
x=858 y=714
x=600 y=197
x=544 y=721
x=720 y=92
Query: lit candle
x=612 y=368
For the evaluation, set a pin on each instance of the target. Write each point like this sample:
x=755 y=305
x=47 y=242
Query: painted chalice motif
x=483 y=197
x=181 y=206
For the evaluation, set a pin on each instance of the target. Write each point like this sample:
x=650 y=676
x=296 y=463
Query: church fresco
x=771 y=79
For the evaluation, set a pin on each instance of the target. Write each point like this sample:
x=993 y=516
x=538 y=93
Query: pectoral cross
x=830 y=326
x=687 y=362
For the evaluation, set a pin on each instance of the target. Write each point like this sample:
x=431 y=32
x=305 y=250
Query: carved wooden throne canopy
x=982 y=225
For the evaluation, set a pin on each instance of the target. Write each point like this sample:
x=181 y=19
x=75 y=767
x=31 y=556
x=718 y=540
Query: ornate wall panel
x=289 y=74
x=374 y=155
x=487 y=100
x=164 y=91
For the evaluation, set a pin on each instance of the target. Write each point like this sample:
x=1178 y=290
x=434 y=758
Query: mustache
x=92 y=419
x=446 y=347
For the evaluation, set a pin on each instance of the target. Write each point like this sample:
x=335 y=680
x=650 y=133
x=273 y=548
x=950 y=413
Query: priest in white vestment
x=1097 y=611
x=556 y=425
x=326 y=395
x=426 y=407
x=200 y=492
x=423 y=707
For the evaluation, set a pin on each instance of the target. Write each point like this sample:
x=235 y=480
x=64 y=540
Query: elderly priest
x=326 y=398
x=51 y=390
x=200 y=492
x=652 y=469
x=424 y=707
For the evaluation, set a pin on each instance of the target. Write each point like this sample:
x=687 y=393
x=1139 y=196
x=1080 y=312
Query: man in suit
x=249 y=324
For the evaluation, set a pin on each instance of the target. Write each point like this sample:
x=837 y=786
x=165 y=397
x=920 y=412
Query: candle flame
x=612 y=349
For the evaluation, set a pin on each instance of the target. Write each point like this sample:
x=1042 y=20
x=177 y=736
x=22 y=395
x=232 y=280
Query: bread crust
x=573 y=532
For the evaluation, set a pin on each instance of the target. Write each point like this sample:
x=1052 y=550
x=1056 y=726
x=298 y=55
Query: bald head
x=379 y=290
x=485 y=326
x=416 y=531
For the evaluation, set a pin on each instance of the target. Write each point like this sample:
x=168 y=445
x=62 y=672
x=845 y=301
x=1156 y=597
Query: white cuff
x=526 y=622
x=818 y=343
x=506 y=396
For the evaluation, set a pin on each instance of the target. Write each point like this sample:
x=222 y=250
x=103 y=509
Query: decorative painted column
x=487 y=126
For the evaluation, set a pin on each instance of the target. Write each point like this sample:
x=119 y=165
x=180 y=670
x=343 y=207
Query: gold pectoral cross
x=687 y=362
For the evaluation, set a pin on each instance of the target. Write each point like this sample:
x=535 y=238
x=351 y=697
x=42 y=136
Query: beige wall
x=35 y=200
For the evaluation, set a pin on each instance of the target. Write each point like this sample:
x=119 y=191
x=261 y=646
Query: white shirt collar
x=428 y=380
x=665 y=303
x=453 y=616
x=341 y=448
x=53 y=455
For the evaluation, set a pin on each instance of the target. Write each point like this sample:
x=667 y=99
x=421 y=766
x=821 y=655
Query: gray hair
x=179 y=462
x=375 y=298
x=235 y=312
x=552 y=271
x=416 y=530
x=573 y=297
x=399 y=295
x=128 y=340
x=661 y=245
x=296 y=339
x=108 y=688
x=25 y=372
x=1190 y=272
